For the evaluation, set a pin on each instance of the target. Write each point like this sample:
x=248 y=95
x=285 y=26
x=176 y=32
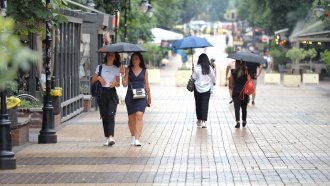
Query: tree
x=14 y=56
x=274 y=15
x=167 y=18
x=30 y=15
x=296 y=54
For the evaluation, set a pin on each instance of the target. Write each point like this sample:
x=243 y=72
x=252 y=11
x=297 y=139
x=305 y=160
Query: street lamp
x=7 y=156
x=319 y=9
x=47 y=132
x=90 y=3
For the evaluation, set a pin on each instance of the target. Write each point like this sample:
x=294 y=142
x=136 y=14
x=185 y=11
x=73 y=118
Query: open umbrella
x=191 y=42
x=247 y=56
x=122 y=47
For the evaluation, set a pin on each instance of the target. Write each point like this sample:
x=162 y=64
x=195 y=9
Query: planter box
x=154 y=76
x=20 y=134
x=182 y=77
x=274 y=78
x=291 y=80
x=87 y=103
x=311 y=79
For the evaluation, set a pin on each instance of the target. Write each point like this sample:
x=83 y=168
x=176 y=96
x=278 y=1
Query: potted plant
x=295 y=54
x=56 y=93
x=308 y=75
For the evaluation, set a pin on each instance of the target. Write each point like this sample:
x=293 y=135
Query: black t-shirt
x=252 y=69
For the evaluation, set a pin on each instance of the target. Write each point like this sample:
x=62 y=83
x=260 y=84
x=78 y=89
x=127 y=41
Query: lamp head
x=319 y=9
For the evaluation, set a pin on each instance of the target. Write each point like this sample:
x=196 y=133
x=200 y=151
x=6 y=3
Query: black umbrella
x=122 y=47
x=247 y=57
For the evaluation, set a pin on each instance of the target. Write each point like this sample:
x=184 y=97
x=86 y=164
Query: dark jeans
x=108 y=107
x=241 y=104
x=202 y=104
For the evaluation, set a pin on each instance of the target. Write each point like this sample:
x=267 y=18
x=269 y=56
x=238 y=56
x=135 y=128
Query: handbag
x=139 y=93
x=191 y=81
x=96 y=88
x=191 y=84
x=249 y=86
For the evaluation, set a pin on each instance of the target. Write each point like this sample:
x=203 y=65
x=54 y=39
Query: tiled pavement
x=286 y=142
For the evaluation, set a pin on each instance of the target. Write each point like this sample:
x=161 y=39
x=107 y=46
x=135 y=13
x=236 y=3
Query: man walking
x=254 y=69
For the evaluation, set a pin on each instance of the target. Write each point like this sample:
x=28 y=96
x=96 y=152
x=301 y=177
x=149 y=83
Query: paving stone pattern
x=286 y=142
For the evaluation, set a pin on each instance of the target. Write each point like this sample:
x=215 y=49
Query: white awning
x=161 y=34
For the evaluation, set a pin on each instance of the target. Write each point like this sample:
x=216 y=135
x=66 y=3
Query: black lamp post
x=7 y=156
x=47 y=132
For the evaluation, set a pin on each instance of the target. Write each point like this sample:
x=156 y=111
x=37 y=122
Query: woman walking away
x=236 y=82
x=136 y=77
x=204 y=79
x=109 y=78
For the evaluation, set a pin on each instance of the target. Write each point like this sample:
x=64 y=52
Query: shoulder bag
x=96 y=88
x=138 y=93
x=191 y=81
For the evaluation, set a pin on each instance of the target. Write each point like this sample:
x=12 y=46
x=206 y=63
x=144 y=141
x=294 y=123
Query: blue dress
x=135 y=105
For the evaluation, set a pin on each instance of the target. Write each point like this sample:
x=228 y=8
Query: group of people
x=136 y=76
x=133 y=77
x=204 y=76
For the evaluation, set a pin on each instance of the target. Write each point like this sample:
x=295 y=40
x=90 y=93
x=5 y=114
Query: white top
x=203 y=83
x=108 y=73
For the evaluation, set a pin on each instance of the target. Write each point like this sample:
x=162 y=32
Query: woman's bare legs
x=139 y=124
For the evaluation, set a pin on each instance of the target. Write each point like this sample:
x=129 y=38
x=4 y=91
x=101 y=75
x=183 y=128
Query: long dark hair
x=142 y=64
x=204 y=61
x=240 y=67
x=117 y=62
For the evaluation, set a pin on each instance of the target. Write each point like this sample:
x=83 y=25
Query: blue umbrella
x=191 y=42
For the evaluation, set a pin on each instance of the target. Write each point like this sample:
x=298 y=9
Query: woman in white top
x=204 y=79
x=109 y=78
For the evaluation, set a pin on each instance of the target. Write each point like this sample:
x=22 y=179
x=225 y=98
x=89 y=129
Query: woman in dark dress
x=136 y=76
x=236 y=83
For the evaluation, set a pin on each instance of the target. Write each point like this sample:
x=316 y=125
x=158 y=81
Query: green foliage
x=154 y=54
x=14 y=56
x=278 y=56
x=274 y=15
x=296 y=54
x=167 y=17
x=326 y=57
x=229 y=50
x=31 y=14
x=27 y=104
x=310 y=53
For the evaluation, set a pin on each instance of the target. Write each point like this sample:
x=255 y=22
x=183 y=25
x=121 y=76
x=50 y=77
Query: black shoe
x=244 y=123
x=237 y=125
x=252 y=102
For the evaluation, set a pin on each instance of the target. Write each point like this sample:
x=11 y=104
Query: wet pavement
x=286 y=142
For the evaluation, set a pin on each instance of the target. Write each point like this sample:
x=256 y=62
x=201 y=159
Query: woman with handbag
x=138 y=96
x=108 y=101
x=204 y=77
x=236 y=82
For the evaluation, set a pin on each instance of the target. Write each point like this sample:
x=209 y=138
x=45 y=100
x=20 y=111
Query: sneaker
x=199 y=123
x=106 y=143
x=133 y=140
x=137 y=143
x=244 y=123
x=111 y=141
x=237 y=125
x=203 y=124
